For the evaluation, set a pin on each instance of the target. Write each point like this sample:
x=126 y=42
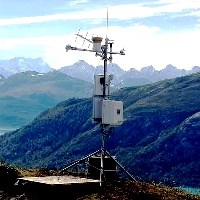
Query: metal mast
x=107 y=113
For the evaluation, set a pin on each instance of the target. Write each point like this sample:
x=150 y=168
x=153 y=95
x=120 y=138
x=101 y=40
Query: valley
x=159 y=140
x=29 y=86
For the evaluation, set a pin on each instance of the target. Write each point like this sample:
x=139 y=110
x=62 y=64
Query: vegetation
x=159 y=140
x=25 y=95
x=12 y=188
x=127 y=190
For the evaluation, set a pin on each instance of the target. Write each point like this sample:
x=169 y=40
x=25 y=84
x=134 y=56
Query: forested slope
x=159 y=139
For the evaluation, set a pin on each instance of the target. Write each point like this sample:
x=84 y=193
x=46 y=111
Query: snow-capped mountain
x=20 y=64
x=112 y=69
x=171 y=72
x=84 y=71
x=80 y=70
x=2 y=79
x=195 y=69
x=132 y=77
x=4 y=72
x=150 y=75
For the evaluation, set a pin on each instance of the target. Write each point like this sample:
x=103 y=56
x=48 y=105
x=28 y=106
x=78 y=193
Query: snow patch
x=41 y=74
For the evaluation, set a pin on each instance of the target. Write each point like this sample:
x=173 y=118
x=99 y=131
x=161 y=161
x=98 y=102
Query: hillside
x=24 y=95
x=159 y=140
x=11 y=188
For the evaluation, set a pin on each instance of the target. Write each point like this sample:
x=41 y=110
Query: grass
x=128 y=190
x=120 y=189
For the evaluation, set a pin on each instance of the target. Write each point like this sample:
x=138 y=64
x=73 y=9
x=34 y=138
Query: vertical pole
x=103 y=131
x=105 y=58
x=105 y=79
x=102 y=155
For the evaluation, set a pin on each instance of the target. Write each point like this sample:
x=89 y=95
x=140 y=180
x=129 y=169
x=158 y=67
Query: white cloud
x=76 y=2
x=144 y=46
x=37 y=19
x=195 y=13
x=81 y=15
x=133 y=10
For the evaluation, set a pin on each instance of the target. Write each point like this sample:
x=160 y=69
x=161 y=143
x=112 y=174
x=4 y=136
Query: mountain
x=80 y=70
x=159 y=140
x=112 y=69
x=24 y=95
x=149 y=74
x=171 y=72
x=4 y=72
x=20 y=64
x=2 y=79
x=84 y=71
x=195 y=69
x=132 y=77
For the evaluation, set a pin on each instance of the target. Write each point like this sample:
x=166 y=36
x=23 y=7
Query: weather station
x=107 y=113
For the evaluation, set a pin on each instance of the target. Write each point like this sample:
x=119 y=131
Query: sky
x=152 y=32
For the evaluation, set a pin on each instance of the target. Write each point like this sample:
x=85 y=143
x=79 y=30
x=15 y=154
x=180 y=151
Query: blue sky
x=153 y=32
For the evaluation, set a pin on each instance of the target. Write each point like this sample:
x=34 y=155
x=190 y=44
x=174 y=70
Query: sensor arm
x=69 y=47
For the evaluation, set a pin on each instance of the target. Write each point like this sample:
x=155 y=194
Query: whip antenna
x=107 y=24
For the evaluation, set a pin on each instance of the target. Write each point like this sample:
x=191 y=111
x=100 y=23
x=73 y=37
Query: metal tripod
x=103 y=153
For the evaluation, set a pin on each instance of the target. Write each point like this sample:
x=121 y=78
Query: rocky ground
x=10 y=189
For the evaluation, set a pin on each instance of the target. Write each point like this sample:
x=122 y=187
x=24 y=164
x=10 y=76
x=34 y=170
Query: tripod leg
x=102 y=168
x=78 y=161
x=108 y=154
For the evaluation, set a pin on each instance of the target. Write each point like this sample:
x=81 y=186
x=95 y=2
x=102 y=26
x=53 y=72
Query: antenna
x=84 y=40
x=77 y=35
x=107 y=24
x=107 y=113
